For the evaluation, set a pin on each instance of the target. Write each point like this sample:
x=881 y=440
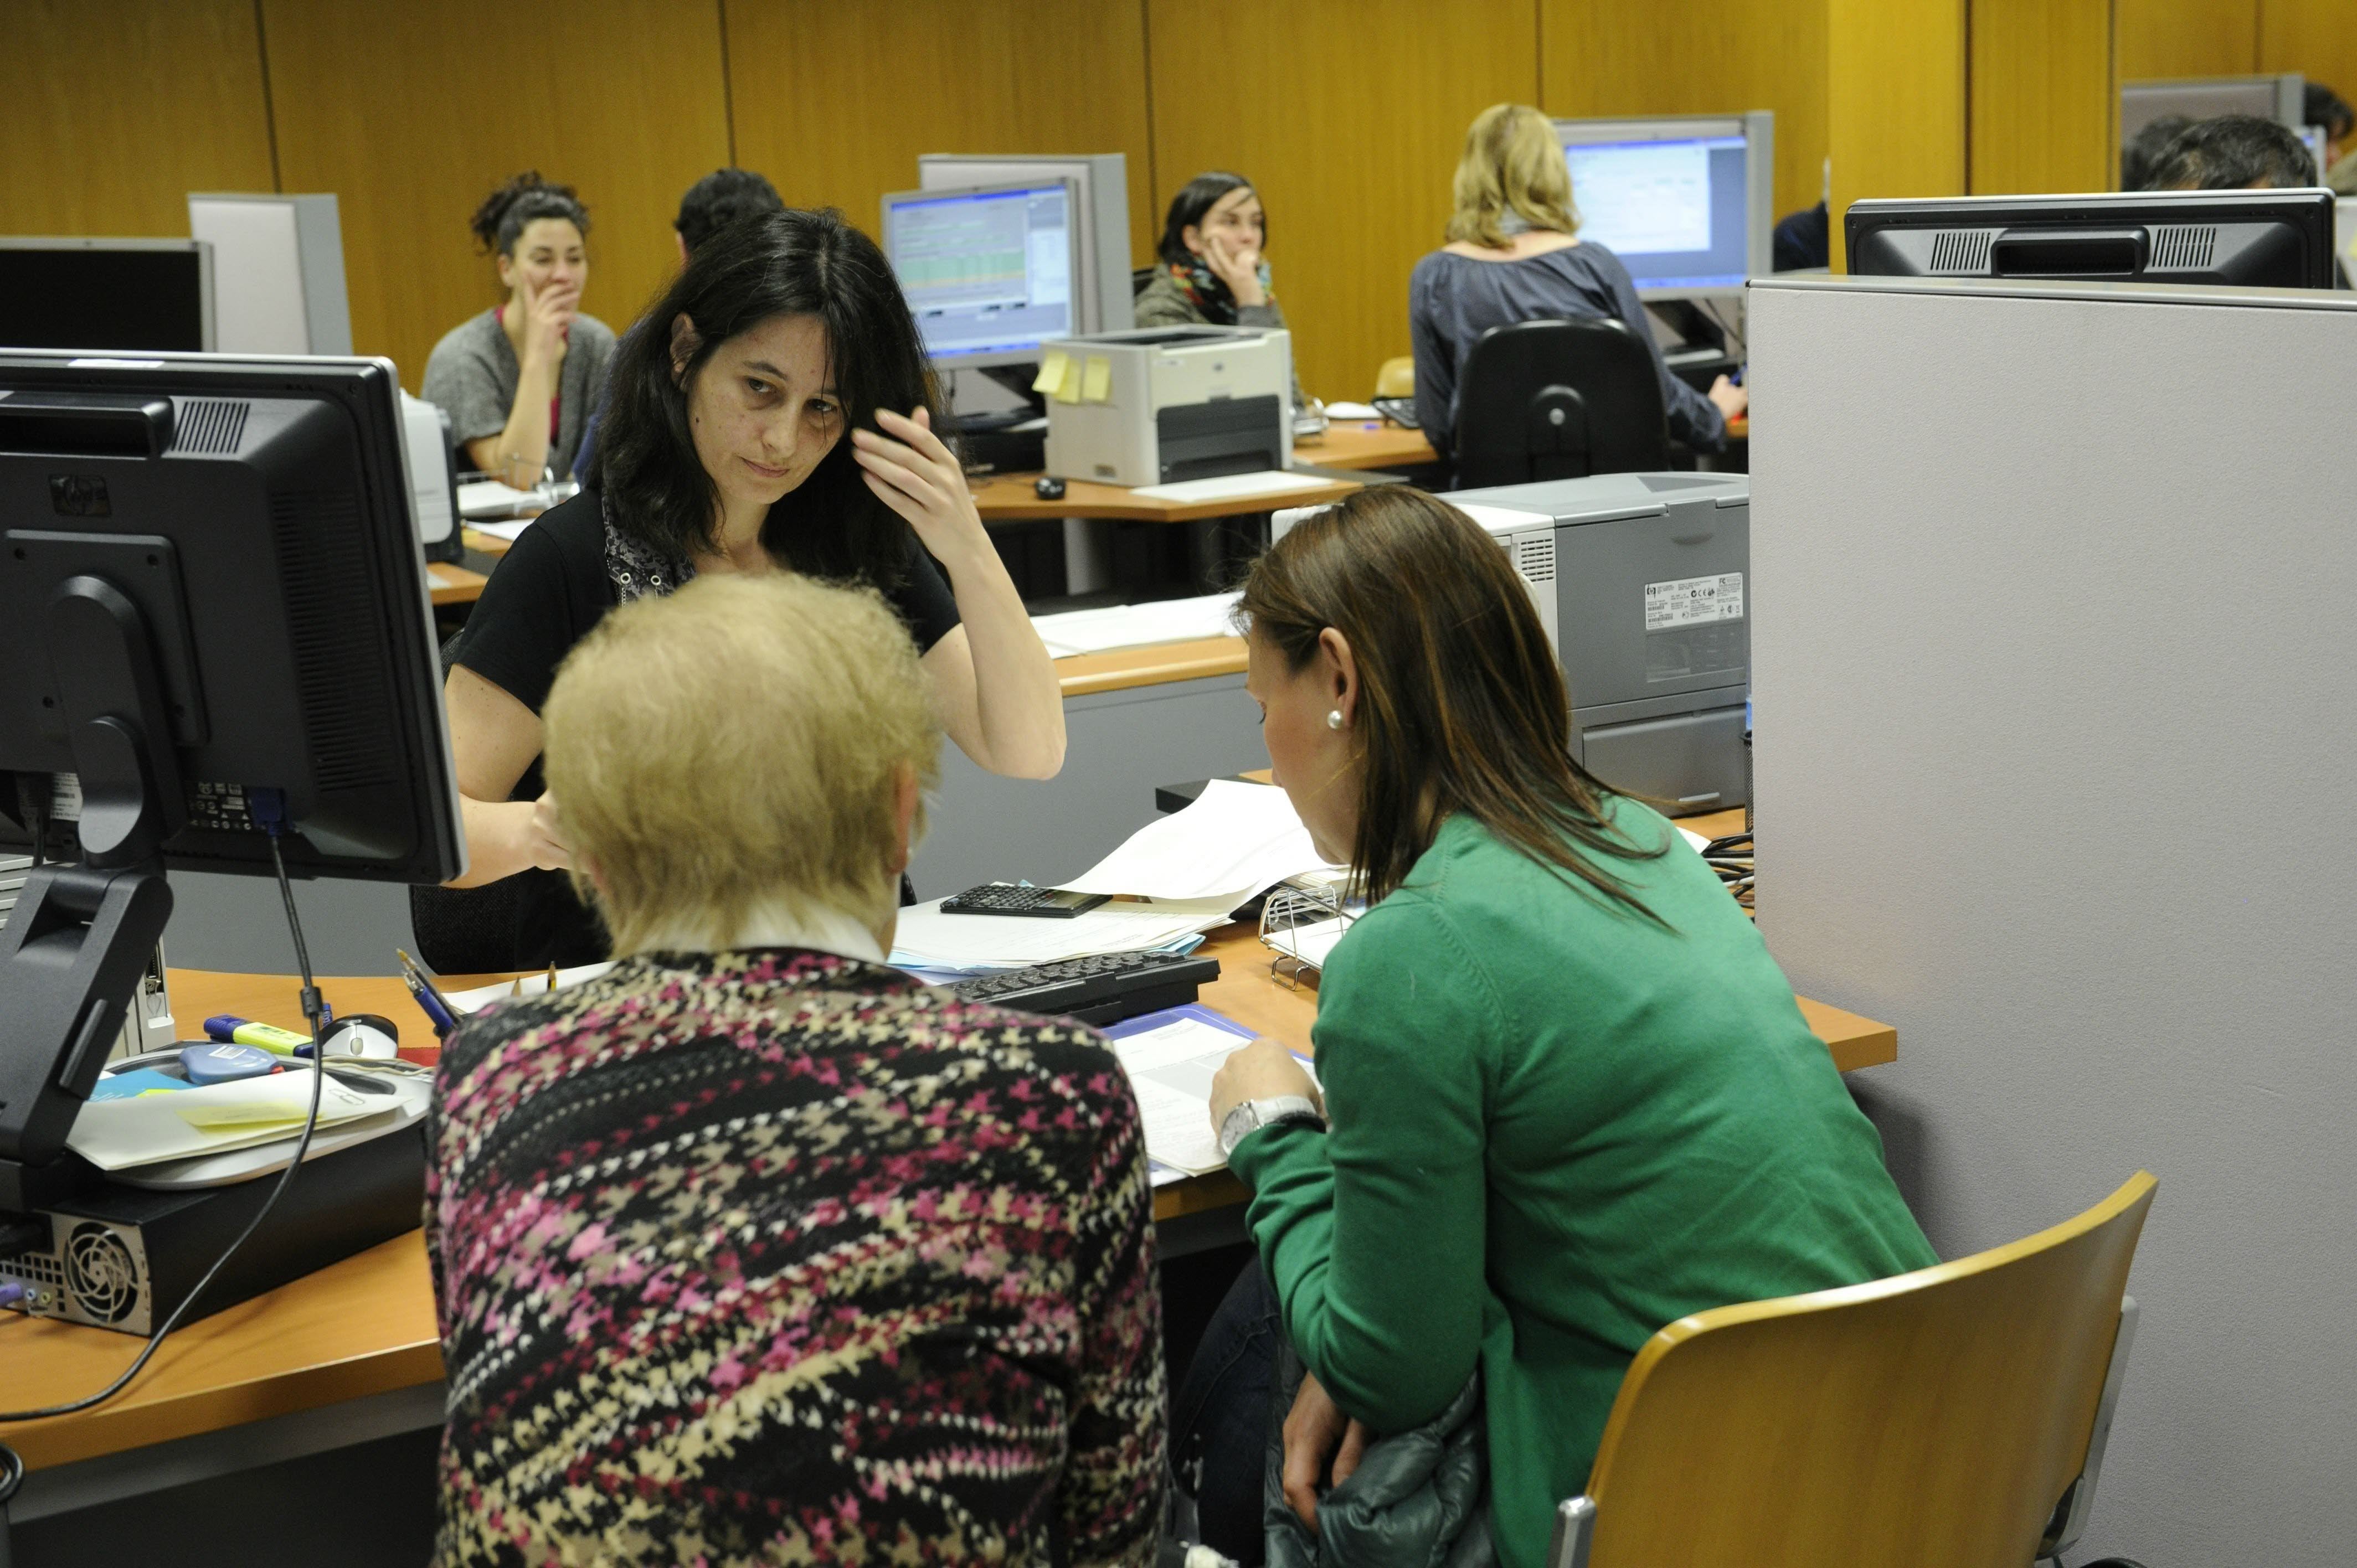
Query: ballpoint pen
x=429 y=1001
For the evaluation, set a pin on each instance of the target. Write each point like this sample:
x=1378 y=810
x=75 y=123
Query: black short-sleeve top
x=556 y=582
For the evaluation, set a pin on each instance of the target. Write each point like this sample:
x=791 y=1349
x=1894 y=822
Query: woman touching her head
x=776 y=415
x=1567 y=1096
x=518 y=380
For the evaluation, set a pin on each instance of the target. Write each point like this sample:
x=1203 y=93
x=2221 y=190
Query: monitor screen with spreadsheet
x=989 y=271
x=1682 y=202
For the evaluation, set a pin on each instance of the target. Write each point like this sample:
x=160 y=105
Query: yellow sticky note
x=1096 y=379
x=1052 y=367
x=1068 y=386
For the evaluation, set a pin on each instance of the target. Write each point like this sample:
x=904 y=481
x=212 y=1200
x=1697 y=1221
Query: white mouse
x=363 y=1035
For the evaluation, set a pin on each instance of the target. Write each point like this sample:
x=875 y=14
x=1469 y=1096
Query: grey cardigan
x=472 y=374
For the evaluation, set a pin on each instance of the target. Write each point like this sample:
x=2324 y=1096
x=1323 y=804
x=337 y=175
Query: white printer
x=1160 y=404
x=1640 y=580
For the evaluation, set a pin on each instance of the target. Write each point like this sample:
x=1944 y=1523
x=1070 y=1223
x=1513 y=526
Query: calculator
x=1009 y=899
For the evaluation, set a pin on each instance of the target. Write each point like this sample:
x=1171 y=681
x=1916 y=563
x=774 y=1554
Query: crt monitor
x=1100 y=189
x=2278 y=238
x=214 y=640
x=1686 y=202
x=140 y=295
x=989 y=271
x=2281 y=98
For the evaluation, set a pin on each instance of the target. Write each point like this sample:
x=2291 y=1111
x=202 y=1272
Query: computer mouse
x=1048 y=487
x=366 y=1035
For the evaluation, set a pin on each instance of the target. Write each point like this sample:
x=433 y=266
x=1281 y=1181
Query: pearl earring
x=1334 y=719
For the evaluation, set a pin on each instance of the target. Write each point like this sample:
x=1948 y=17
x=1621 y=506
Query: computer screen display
x=2313 y=138
x=988 y=272
x=1675 y=205
x=150 y=295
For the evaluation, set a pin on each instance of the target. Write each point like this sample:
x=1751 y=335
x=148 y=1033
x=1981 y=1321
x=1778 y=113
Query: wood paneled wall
x=117 y=109
x=1608 y=57
x=1348 y=116
x=812 y=88
x=2044 y=107
x=2316 y=39
x=2191 y=37
x=410 y=115
x=1895 y=100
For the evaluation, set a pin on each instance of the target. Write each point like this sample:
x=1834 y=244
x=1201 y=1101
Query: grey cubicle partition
x=2056 y=700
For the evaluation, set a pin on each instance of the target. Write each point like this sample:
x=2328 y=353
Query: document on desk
x=1313 y=944
x=1170 y=1066
x=118 y=1134
x=928 y=938
x=1232 y=486
x=481 y=996
x=1235 y=840
x=488 y=497
x=1137 y=626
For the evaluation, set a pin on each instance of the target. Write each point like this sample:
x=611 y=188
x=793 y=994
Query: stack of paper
x=968 y=944
x=1232 y=486
x=1235 y=840
x=1136 y=626
x=489 y=497
x=138 y=1130
x=1171 y=1067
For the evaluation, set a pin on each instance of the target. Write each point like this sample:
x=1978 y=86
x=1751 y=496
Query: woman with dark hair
x=773 y=412
x=1567 y=1096
x=519 y=379
x=1211 y=271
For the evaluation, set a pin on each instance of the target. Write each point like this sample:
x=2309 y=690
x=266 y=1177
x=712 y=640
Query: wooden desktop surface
x=366 y=1326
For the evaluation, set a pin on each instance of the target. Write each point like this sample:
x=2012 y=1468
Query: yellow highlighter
x=246 y=1032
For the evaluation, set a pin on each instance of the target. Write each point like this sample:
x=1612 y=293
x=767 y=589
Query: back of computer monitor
x=111 y=295
x=249 y=518
x=2277 y=238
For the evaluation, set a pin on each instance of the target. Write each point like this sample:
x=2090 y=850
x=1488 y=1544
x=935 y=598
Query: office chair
x=1559 y=399
x=466 y=930
x=1950 y=1418
x=1395 y=377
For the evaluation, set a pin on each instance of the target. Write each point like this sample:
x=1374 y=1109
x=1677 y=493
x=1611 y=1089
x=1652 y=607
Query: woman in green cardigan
x=1571 y=1096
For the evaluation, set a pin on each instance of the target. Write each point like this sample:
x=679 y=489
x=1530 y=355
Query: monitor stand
x=81 y=936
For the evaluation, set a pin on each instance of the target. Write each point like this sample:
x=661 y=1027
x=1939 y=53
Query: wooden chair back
x=1397 y=378
x=1933 y=1420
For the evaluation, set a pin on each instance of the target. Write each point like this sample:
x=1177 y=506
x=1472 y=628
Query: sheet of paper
x=489 y=497
x=1696 y=838
x=1052 y=366
x=465 y=1002
x=1137 y=626
x=928 y=939
x=1311 y=943
x=1096 y=379
x=115 y=1135
x=509 y=531
x=1171 y=1069
x=1351 y=411
x=1233 y=842
x=1232 y=486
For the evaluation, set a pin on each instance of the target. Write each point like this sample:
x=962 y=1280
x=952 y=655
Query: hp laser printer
x=1160 y=404
x=1641 y=581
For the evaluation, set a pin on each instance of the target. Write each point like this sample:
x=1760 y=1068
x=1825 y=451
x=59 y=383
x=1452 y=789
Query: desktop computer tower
x=1640 y=582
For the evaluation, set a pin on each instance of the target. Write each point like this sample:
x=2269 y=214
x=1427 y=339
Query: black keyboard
x=1102 y=989
x=1400 y=411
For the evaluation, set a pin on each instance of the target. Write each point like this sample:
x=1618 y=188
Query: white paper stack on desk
x=968 y=944
x=1137 y=626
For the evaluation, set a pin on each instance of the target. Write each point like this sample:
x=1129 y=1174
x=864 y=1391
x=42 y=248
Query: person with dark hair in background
x=2142 y=151
x=1571 y=1096
x=711 y=204
x=1209 y=267
x=2323 y=106
x=518 y=380
x=2234 y=151
x=775 y=413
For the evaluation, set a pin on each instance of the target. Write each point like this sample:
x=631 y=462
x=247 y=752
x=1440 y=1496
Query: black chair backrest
x=1559 y=399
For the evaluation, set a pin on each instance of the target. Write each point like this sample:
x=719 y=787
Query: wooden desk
x=450 y=585
x=1366 y=444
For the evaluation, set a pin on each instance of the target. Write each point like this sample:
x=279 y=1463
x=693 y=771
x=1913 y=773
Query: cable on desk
x=269 y=808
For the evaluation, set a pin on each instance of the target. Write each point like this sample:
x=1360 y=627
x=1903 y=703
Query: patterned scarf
x=1207 y=294
x=637 y=569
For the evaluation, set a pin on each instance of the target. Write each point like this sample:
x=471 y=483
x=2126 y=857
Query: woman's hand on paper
x=1262 y=1070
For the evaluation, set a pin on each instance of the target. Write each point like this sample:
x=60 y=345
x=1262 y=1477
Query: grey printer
x=1160 y=404
x=1641 y=581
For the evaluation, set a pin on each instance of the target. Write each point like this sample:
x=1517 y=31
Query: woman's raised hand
x=913 y=471
x=548 y=316
x=1235 y=263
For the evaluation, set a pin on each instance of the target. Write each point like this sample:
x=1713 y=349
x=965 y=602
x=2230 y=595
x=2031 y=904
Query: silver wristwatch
x=1254 y=1114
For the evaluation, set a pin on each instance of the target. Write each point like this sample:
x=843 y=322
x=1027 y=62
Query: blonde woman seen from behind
x=741 y=1248
x=1514 y=254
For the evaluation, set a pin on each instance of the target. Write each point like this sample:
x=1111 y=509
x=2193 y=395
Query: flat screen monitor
x=252 y=517
x=1684 y=202
x=1100 y=192
x=117 y=296
x=2281 y=98
x=2315 y=138
x=2278 y=238
x=989 y=271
